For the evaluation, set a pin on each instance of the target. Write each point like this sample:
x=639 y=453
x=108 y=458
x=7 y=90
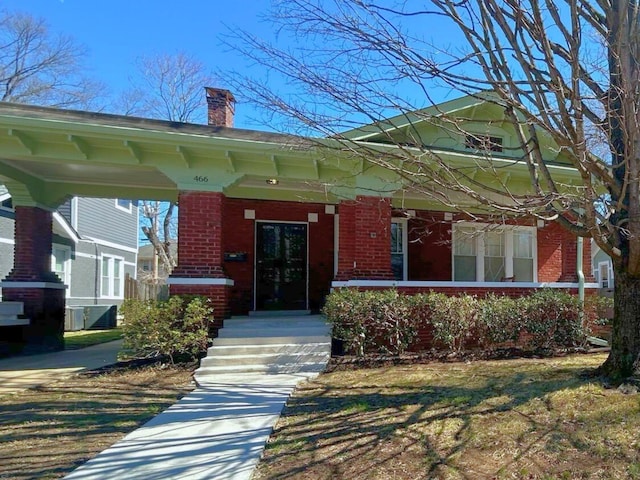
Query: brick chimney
x=221 y=106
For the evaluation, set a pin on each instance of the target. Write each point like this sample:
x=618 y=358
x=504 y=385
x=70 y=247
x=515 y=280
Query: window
x=399 y=248
x=487 y=143
x=7 y=204
x=605 y=275
x=482 y=253
x=123 y=205
x=112 y=278
x=61 y=262
x=464 y=254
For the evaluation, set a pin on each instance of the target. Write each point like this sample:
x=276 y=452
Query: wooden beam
x=229 y=158
x=27 y=142
x=134 y=150
x=80 y=145
x=185 y=155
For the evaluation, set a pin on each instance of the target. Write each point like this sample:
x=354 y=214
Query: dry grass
x=514 y=419
x=48 y=431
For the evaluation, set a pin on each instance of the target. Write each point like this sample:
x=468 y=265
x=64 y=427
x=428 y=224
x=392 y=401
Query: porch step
x=278 y=313
x=273 y=348
x=263 y=359
x=266 y=340
x=12 y=314
x=259 y=345
x=203 y=372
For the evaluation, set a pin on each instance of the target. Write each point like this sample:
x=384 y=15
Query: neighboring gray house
x=95 y=244
x=602 y=267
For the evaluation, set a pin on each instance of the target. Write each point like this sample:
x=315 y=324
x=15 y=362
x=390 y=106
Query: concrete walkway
x=219 y=430
x=22 y=372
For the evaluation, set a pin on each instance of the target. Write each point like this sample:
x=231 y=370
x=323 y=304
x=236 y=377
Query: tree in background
x=565 y=70
x=166 y=87
x=40 y=68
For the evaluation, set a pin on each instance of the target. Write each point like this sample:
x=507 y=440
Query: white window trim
x=405 y=244
x=67 y=264
x=609 y=272
x=119 y=207
x=110 y=295
x=3 y=197
x=479 y=228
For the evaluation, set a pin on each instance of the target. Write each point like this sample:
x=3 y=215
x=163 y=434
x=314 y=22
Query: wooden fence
x=144 y=290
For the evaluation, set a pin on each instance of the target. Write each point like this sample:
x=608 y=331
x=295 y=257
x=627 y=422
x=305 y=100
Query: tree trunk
x=624 y=358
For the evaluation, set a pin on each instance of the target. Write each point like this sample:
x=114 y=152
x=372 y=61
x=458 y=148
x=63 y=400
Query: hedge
x=385 y=321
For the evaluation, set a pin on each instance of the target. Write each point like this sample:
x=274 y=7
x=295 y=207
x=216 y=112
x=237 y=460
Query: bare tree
x=167 y=87
x=566 y=70
x=41 y=68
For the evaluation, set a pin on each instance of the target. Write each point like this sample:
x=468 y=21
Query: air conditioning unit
x=100 y=317
x=73 y=319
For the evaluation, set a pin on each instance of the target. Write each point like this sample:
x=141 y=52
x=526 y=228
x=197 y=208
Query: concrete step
x=264 y=359
x=234 y=332
x=267 y=340
x=204 y=372
x=282 y=348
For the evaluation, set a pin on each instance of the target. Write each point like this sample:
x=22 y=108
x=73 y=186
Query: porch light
x=272 y=181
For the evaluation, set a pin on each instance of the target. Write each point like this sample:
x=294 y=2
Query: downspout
x=580 y=272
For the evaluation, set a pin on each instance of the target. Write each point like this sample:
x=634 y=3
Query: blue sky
x=116 y=32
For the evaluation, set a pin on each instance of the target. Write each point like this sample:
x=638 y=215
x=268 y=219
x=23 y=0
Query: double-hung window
x=485 y=253
x=399 y=248
x=112 y=277
x=61 y=262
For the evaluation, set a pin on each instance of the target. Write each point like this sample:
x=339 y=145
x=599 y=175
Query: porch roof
x=49 y=154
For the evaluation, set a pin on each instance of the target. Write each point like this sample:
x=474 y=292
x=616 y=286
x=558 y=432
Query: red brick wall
x=365 y=239
x=32 y=254
x=200 y=231
x=240 y=237
x=557 y=255
x=218 y=294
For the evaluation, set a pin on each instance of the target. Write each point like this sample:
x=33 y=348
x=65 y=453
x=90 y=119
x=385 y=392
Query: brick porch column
x=200 y=252
x=364 y=237
x=32 y=282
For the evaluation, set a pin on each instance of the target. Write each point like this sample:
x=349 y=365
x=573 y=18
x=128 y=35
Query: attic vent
x=485 y=143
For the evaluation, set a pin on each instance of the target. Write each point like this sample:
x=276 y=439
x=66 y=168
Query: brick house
x=274 y=222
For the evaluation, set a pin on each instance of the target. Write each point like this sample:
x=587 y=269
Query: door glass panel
x=281 y=266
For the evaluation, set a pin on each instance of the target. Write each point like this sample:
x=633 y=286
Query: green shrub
x=177 y=327
x=552 y=319
x=500 y=320
x=387 y=321
x=454 y=320
x=371 y=321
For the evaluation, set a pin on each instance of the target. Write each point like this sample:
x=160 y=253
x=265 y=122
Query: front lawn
x=50 y=430
x=86 y=338
x=509 y=419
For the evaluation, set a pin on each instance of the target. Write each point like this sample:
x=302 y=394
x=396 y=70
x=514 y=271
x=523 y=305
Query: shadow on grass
x=385 y=427
x=48 y=431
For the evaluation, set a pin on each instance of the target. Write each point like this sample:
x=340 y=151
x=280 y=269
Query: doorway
x=281 y=266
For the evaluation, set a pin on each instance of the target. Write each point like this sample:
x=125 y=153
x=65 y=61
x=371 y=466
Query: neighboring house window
x=61 y=263
x=123 y=205
x=482 y=253
x=487 y=143
x=399 y=248
x=145 y=265
x=112 y=277
x=605 y=275
x=7 y=204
